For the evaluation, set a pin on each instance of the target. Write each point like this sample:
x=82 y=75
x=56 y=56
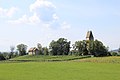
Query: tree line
x=62 y=47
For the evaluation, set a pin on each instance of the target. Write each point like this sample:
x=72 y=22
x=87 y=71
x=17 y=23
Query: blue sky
x=41 y=21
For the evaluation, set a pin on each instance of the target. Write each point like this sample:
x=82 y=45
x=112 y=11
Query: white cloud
x=44 y=14
x=45 y=10
x=8 y=12
x=41 y=3
x=65 y=25
x=34 y=19
x=55 y=17
x=22 y=20
x=26 y=20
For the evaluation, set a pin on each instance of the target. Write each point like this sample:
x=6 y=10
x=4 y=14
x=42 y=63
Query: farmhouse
x=33 y=51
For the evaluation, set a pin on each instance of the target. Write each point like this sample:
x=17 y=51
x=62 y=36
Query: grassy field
x=47 y=58
x=81 y=69
x=112 y=59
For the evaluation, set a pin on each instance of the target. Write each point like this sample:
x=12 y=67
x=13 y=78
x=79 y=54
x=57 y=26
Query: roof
x=32 y=49
x=89 y=34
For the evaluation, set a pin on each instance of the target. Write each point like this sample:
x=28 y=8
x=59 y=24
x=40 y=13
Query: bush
x=114 y=53
x=2 y=57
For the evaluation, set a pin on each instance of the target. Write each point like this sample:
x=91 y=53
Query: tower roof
x=89 y=34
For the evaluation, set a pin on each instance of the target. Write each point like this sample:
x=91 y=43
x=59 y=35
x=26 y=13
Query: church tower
x=89 y=36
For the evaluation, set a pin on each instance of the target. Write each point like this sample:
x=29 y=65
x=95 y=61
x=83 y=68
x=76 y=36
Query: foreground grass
x=59 y=71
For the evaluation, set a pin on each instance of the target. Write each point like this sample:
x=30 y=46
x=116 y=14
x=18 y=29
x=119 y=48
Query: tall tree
x=12 y=48
x=99 y=49
x=39 y=46
x=60 y=47
x=80 y=47
x=90 y=47
x=12 y=51
x=22 y=48
x=119 y=50
x=2 y=57
x=53 y=47
x=45 y=51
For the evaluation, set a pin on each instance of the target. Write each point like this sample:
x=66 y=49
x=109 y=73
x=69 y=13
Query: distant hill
x=116 y=50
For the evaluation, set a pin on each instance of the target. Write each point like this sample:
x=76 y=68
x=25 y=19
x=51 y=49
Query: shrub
x=114 y=53
x=2 y=57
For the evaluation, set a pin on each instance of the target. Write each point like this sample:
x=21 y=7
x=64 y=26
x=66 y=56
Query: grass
x=112 y=59
x=103 y=68
x=47 y=58
x=59 y=71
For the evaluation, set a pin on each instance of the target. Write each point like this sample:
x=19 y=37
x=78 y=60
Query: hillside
x=47 y=58
x=112 y=59
x=39 y=58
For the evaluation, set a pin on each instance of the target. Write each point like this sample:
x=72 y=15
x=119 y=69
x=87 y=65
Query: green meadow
x=79 y=69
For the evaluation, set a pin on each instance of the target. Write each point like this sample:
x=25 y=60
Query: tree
x=39 y=46
x=6 y=55
x=53 y=47
x=99 y=49
x=59 y=47
x=119 y=50
x=2 y=57
x=80 y=47
x=90 y=47
x=12 y=51
x=22 y=49
x=64 y=46
x=45 y=51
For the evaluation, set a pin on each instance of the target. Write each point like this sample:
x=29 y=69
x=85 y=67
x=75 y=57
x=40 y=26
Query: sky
x=41 y=21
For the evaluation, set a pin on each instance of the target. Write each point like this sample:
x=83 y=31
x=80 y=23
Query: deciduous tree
x=60 y=47
x=22 y=48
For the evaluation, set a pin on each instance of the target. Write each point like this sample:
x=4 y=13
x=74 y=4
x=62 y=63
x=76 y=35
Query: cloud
x=8 y=12
x=41 y=3
x=45 y=10
x=43 y=13
x=26 y=20
x=65 y=25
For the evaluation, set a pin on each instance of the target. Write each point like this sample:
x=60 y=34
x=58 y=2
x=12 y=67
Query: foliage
x=45 y=51
x=42 y=50
x=119 y=50
x=39 y=46
x=90 y=47
x=22 y=49
x=59 y=47
x=2 y=57
x=80 y=47
x=114 y=53
x=12 y=48
x=6 y=55
x=11 y=55
x=97 y=48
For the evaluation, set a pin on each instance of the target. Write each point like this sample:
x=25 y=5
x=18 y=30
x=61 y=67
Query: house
x=33 y=51
x=89 y=36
